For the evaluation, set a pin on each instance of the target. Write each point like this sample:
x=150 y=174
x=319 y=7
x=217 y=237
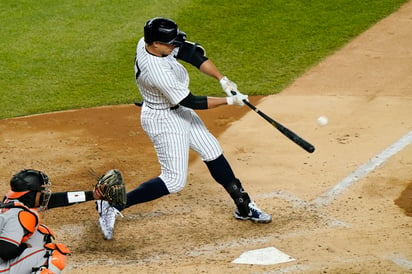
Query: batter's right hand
x=237 y=99
x=228 y=86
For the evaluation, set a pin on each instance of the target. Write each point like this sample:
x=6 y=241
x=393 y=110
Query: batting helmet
x=163 y=30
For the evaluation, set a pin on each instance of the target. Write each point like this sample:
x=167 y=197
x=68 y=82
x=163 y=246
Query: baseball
x=323 y=120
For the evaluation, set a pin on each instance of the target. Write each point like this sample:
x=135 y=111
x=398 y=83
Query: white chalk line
x=330 y=195
x=402 y=262
x=299 y=203
x=327 y=197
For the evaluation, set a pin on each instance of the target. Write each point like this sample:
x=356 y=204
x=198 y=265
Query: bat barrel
x=284 y=130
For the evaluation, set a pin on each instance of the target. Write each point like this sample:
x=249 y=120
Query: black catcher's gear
x=26 y=183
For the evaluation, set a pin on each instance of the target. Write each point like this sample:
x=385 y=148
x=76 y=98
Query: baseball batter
x=169 y=119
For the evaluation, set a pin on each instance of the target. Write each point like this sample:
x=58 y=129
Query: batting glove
x=237 y=99
x=228 y=86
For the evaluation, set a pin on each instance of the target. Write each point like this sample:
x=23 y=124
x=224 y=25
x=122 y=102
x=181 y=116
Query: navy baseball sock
x=223 y=174
x=147 y=191
x=221 y=171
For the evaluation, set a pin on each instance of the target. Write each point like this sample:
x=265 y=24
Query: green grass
x=57 y=55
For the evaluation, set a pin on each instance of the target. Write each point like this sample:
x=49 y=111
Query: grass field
x=58 y=55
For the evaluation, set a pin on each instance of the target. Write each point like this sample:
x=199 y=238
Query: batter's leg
x=223 y=174
x=147 y=191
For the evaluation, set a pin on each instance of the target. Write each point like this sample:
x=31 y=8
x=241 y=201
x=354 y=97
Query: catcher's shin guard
x=56 y=259
x=239 y=196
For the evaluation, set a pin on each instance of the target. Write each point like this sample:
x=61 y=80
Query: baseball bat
x=284 y=130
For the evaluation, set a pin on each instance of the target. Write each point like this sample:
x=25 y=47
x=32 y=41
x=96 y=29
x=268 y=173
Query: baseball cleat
x=107 y=218
x=255 y=215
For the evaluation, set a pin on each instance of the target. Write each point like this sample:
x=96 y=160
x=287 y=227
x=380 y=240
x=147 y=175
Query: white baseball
x=323 y=120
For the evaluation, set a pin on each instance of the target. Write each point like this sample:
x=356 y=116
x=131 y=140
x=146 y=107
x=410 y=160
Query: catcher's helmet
x=163 y=30
x=27 y=180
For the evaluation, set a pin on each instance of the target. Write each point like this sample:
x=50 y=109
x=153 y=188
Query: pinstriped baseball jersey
x=163 y=82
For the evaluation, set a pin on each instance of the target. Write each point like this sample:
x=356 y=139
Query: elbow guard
x=192 y=53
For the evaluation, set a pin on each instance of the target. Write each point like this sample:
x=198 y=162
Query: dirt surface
x=342 y=209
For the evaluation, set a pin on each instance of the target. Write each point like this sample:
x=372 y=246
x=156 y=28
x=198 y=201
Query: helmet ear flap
x=180 y=39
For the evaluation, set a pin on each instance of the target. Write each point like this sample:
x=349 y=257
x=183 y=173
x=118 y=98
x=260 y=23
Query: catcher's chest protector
x=28 y=218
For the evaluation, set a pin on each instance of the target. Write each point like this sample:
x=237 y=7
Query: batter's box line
x=373 y=163
x=284 y=195
x=296 y=202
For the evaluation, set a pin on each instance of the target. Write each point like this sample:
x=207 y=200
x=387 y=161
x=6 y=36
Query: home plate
x=263 y=256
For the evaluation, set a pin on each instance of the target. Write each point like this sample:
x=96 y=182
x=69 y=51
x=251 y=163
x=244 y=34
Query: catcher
x=26 y=245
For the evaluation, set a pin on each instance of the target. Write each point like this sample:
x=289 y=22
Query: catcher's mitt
x=110 y=187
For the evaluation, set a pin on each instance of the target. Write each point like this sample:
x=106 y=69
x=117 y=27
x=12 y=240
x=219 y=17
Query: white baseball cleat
x=107 y=218
x=255 y=215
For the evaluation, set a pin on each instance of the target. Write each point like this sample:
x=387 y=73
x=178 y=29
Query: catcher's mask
x=163 y=30
x=26 y=183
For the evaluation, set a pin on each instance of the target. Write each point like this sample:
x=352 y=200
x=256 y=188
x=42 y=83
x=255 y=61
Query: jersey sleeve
x=171 y=81
x=162 y=80
x=11 y=230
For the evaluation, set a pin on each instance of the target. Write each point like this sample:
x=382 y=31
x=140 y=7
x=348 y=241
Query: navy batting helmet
x=160 y=29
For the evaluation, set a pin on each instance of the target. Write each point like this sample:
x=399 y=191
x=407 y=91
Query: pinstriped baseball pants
x=173 y=133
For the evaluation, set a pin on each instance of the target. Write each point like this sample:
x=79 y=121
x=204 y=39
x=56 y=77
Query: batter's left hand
x=228 y=86
x=237 y=99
